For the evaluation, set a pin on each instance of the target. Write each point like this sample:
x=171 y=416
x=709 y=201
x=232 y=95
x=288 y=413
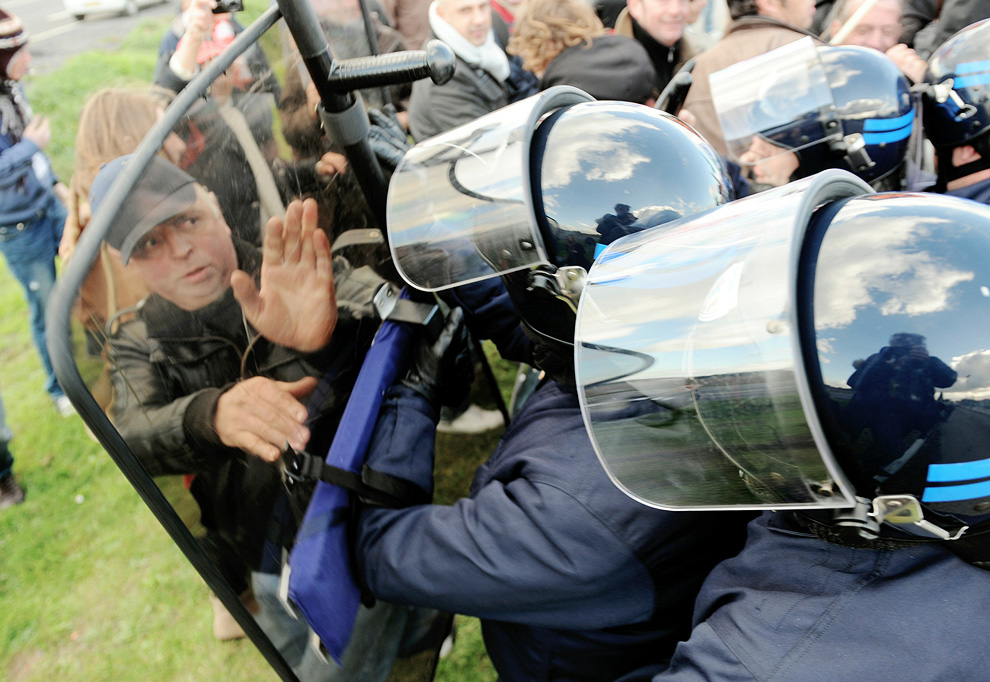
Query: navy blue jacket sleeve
x=519 y=549
x=489 y=314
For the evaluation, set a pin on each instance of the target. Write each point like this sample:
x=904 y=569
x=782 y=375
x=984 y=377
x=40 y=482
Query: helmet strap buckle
x=565 y=283
x=946 y=96
x=904 y=512
x=854 y=148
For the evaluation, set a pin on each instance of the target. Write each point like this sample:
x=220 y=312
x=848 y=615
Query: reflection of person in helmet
x=805 y=597
x=956 y=107
x=572 y=579
x=894 y=396
x=864 y=126
x=613 y=226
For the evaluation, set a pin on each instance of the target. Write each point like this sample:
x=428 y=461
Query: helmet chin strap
x=553 y=357
x=903 y=512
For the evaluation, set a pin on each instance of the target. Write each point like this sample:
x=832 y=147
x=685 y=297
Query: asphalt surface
x=54 y=35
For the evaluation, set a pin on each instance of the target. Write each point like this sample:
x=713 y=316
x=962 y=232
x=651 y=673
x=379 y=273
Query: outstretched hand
x=260 y=415
x=296 y=306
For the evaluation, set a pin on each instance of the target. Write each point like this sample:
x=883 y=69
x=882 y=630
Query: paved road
x=56 y=36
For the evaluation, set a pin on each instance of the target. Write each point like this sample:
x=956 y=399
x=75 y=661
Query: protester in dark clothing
x=659 y=26
x=916 y=15
x=478 y=86
x=230 y=145
x=214 y=376
x=950 y=17
x=612 y=67
x=196 y=389
x=564 y=43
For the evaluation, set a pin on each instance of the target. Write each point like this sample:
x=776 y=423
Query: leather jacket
x=168 y=368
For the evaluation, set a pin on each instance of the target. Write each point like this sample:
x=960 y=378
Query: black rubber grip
x=437 y=61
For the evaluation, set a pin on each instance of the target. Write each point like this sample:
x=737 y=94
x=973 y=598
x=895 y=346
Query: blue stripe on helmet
x=970 y=81
x=889 y=136
x=959 y=471
x=955 y=493
x=973 y=67
x=873 y=125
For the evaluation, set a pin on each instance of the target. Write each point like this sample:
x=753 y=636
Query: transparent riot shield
x=688 y=363
x=141 y=362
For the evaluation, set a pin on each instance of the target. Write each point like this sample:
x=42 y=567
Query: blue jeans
x=30 y=249
x=6 y=459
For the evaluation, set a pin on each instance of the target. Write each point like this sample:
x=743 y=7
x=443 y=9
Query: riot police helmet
x=783 y=352
x=956 y=101
x=844 y=107
x=535 y=191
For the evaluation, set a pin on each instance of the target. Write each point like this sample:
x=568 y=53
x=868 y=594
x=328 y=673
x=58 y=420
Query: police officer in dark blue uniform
x=956 y=106
x=783 y=330
x=572 y=579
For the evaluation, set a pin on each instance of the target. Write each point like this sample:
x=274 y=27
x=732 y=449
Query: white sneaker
x=448 y=642
x=473 y=420
x=64 y=406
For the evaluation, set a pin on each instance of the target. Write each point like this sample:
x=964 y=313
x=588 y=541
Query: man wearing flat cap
x=252 y=356
x=214 y=376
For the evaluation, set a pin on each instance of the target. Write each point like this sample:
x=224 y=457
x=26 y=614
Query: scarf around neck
x=488 y=56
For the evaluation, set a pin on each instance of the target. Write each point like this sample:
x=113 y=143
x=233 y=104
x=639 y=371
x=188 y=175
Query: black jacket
x=168 y=370
x=470 y=94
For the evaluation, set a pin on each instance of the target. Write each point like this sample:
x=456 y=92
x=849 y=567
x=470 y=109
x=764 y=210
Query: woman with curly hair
x=564 y=42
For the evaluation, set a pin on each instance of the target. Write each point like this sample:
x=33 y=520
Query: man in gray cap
x=214 y=376
x=181 y=400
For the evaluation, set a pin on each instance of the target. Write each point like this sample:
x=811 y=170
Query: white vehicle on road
x=80 y=8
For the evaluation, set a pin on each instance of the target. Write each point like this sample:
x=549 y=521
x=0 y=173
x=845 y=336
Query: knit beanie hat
x=12 y=38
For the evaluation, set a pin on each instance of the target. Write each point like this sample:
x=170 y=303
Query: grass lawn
x=91 y=587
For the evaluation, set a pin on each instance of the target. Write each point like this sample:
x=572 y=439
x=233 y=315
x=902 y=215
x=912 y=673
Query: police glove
x=388 y=140
x=442 y=369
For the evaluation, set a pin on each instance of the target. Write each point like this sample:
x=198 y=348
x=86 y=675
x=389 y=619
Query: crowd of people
x=656 y=509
